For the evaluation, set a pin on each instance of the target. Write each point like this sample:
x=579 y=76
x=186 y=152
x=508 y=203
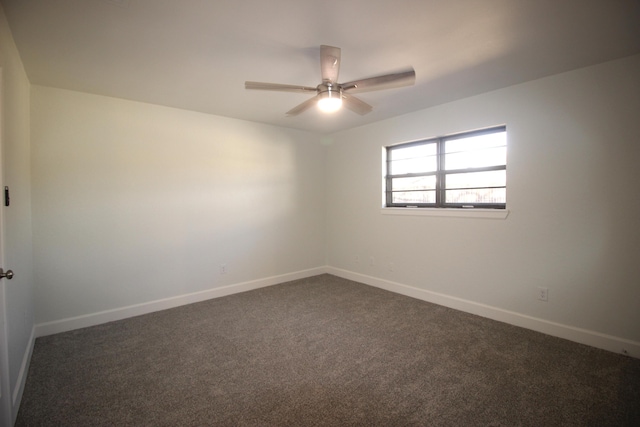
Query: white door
x=5 y=399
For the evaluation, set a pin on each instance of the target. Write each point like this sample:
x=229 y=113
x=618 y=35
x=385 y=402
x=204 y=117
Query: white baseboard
x=571 y=333
x=18 y=388
x=93 y=319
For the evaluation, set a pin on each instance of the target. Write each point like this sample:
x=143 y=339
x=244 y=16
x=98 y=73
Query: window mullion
x=440 y=176
x=388 y=180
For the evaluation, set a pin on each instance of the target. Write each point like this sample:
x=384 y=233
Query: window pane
x=414 y=183
x=476 y=158
x=410 y=197
x=485 y=195
x=417 y=165
x=479 y=142
x=477 y=179
x=413 y=151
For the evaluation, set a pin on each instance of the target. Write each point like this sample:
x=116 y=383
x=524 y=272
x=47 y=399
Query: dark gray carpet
x=323 y=351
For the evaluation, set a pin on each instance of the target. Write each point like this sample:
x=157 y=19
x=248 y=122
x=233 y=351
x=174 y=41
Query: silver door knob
x=8 y=274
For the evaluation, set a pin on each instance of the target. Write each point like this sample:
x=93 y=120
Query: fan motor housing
x=331 y=90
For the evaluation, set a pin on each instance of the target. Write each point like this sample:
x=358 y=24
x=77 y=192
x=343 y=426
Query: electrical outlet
x=223 y=269
x=543 y=294
x=372 y=261
x=357 y=259
x=391 y=267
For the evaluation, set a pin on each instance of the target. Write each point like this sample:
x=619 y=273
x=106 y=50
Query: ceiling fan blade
x=356 y=105
x=387 y=81
x=329 y=63
x=303 y=107
x=279 y=87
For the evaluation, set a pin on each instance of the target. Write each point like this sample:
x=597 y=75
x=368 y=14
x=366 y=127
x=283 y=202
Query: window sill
x=452 y=213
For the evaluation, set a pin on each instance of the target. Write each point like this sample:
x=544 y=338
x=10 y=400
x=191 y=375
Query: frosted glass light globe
x=330 y=103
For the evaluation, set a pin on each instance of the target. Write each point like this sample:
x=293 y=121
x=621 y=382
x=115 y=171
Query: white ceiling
x=196 y=54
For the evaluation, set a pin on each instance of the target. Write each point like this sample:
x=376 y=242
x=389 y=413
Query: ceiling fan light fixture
x=330 y=95
x=330 y=101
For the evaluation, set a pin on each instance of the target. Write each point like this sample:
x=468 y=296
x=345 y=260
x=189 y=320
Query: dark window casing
x=466 y=171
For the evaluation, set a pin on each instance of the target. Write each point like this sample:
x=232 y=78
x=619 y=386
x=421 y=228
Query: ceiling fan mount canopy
x=330 y=92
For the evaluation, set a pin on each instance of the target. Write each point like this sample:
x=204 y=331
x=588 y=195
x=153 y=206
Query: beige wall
x=572 y=176
x=134 y=202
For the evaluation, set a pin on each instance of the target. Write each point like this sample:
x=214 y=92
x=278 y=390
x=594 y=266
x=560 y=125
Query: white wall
x=17 y=234
x=135 y=203
x=573 y=174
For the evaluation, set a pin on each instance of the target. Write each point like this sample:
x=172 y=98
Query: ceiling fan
x=331 y=95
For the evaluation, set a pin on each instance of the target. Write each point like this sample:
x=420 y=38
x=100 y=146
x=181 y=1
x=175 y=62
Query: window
x=467 y=170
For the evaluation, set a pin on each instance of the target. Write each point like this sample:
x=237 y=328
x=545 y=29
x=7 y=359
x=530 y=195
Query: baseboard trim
x=78 y=322
x=571 y=333
x=18 y=388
